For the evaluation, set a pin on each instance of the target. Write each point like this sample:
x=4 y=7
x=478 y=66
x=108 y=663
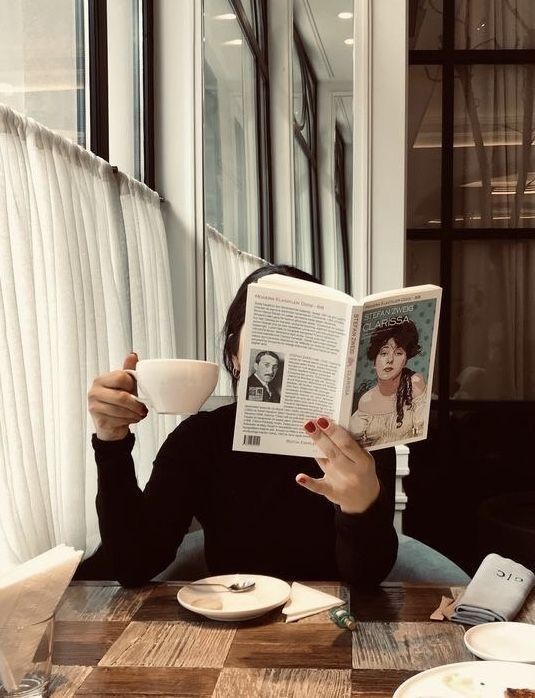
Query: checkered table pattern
x=111 y=641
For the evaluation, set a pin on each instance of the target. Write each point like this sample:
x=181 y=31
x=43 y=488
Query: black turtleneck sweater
x=256 y=518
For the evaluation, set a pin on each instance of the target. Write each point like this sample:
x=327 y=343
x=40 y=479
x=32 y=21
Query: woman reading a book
x=290 y=517
x=394 y=407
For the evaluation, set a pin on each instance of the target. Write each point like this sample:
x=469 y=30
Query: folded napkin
x=496 y=593
x=305 y=601
x=29 y=594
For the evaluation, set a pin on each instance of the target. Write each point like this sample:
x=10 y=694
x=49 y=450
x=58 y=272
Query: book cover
x=395 y=360
x=308 y=351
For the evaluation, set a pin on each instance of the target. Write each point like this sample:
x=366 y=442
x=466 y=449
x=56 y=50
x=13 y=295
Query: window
x=342 y=236
x=126 y=95
x=58 y=66
x=42 y=63
x=236 y=135
x=307 y=234
x=471 y=226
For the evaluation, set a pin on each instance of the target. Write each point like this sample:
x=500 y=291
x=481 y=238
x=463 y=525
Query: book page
x=293 y=365
x=395 y=361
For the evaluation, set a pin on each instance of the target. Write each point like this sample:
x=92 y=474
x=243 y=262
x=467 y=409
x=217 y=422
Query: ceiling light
x=348 y=42
x=227 y=15
x=345 y=15
x=233 y=42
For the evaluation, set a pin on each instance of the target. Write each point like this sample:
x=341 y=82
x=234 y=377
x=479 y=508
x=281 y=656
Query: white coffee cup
x=174 y=386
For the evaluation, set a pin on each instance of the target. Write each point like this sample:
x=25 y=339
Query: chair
x=416 y=562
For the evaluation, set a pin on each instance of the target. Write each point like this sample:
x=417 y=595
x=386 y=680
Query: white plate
x=511 y=642
x=468 y=680
x=217 y=604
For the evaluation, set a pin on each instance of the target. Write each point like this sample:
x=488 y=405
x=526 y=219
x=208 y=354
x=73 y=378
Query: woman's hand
x=349 y=478
x=112 y=405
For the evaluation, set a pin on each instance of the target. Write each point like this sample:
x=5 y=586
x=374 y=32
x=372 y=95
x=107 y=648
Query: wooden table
x=111 y=641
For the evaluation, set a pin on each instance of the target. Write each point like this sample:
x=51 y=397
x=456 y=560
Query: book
x=309 y=351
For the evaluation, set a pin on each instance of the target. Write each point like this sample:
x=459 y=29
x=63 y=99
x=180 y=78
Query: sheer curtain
x=70 y=232
x=227 y=267
x=494 y=170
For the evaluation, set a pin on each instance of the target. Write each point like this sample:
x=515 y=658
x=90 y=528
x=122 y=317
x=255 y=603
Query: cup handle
x=140 y=398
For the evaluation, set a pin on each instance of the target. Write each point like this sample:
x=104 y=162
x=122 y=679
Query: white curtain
x=226 y=268
x=73 y=252
x=494 y=171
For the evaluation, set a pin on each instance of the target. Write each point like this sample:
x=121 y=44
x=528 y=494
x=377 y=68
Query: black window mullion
x=446 y=211
x=250 y=37
x=147 y=87
x=98 y=78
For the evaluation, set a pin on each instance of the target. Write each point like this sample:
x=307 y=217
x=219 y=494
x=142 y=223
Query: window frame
x=448 y=58
x=310 y=84
x=97 y=61
x=256 y=38
x=340 y=185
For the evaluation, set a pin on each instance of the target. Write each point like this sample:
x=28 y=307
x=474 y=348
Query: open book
x=311 y=351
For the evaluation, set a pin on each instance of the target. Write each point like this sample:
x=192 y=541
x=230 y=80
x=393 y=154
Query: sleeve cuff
x=113 y=447
x=375 y=512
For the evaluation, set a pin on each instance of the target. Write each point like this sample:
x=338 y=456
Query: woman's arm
x=141 y=531
x=366 y=545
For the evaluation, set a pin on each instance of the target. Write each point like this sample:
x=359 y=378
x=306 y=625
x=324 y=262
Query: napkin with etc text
x=30 y=593
x=496 y=593
x=306 y=601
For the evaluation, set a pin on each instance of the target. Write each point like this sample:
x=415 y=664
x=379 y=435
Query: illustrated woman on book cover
x=394 y=407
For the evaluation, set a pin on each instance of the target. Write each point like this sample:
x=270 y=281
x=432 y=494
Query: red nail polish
x=310 y=427
x=323 y=423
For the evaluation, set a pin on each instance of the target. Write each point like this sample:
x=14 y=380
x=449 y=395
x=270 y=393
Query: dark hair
x=236 y=311
x=268 y=353
x=406 y=337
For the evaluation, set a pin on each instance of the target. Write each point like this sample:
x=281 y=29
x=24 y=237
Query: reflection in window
x=494 y=156
x=42 y=63
x=305 y=162
x=494 y=24
x=493 y=326
x=424 y=146
x=125 y=103
x=423 y=267
x=233 y=125
x=425 y=24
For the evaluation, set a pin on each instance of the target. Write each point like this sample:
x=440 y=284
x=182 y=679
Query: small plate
x=509 y=642
x=473 y=679
x=218 y=604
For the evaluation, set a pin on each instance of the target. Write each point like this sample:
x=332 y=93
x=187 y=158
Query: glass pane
x=298 y=89
x=423 y=267
x=249 y=11
x=493 y=325
x=42 y=63
x=124 y=105
x=494 y=24
x=423 y=262
x=424 y=146
x=425 y=24
x=494 y=156
x=303 y=213
x=231 y=187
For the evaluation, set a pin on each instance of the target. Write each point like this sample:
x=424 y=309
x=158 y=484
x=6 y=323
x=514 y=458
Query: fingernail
x=301 y=480
x=310 y=427
x=323 y=423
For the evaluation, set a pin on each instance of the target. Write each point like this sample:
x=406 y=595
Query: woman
x=395 y=407
x=278 y=515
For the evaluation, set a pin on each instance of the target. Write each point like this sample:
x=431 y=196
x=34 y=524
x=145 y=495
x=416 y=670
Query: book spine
x=351 y=365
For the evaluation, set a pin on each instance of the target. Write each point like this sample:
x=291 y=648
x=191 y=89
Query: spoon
x=236 y=587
